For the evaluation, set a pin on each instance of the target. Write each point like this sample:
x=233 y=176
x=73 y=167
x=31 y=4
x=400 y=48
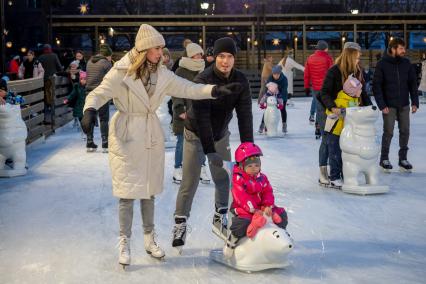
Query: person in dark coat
x=206 y=132
x=346 y=64
x=189 y=67
x=394 y=85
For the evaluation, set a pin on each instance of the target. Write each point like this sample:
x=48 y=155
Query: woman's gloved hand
x=226 y=90
x=89 y=120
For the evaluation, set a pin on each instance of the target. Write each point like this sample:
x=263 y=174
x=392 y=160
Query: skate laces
x=122 y=244
x=180 y=229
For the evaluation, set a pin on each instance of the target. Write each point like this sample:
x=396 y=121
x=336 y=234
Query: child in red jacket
x=253 y=199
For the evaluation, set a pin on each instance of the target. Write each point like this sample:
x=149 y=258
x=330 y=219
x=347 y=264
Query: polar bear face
x=361 y=115
x=271 y=101
x=270 y=245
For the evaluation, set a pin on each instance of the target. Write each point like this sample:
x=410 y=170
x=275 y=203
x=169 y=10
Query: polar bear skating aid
x=13 y=133
x=268 y=249
x=272 y=116
x=360 y=151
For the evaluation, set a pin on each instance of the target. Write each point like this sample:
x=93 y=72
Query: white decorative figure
x=13 y=133
x=164 y=117
x=360 y=151
x=272 y=116
x=268 y=249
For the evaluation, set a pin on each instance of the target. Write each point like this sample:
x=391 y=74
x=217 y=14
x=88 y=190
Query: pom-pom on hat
x=148 y=37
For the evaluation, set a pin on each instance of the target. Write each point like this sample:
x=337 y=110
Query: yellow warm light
x=84 y=8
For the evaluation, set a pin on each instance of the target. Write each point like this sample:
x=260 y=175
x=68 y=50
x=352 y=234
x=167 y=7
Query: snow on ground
x=58 y=224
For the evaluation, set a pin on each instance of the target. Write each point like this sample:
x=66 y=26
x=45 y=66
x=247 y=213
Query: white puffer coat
x=136 y=139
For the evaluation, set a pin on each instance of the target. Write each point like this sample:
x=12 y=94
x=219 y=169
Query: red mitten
x=280 y=106
x=276 y=218
x=65 y=101
x=257 y=222
x=262 y=106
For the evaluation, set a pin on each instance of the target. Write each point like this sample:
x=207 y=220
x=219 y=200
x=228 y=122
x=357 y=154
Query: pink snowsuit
x=251 y=193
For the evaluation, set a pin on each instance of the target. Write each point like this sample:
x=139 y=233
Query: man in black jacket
x=206 y=132
x=394 y=84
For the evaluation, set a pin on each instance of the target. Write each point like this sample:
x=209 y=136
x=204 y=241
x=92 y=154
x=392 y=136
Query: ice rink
x=58 y=224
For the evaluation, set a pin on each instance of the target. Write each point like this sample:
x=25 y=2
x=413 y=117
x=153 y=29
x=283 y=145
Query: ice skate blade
x=327 y=185
x=105 y=150
x=204 y=181
x=156 y=257
x=124 y=265
x=386 y=171
x=176 y=181
x=179 y=250
x=404 y=170
x=365 y=189
x=218 y=233
x=91 y=150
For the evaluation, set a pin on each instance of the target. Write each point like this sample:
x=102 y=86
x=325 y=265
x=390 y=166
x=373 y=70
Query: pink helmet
x=245 y=150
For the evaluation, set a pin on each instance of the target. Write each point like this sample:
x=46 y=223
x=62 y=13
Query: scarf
x=192 y=64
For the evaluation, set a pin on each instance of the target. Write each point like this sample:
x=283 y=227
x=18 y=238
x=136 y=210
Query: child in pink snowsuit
x=253 y=198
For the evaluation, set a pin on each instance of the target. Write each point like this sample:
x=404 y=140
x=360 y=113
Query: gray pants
x=125 y=215
x=193 y=156
x=402 y=115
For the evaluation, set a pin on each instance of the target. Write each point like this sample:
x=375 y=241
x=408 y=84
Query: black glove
x=226 y=90
x=89 y=120
x=215 y=159
x=307 y=92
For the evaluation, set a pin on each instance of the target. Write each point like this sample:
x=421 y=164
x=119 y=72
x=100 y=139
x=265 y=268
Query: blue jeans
x=335 y=156
x=179 y=151
x=314 y=102
x=320 y=120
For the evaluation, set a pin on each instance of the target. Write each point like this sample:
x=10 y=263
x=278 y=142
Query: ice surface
x=58 y=224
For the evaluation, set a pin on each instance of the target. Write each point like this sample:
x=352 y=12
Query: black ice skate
x=179 y=233
x=317 y=131
x=405 y=166
x=311 y=119
x=386 y=166
x=91 y=146
x=220 y=223
x=105 y=147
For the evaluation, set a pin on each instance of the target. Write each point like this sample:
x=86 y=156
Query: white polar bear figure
x=360 y=151
x=272 y=116
x=13 y=133
x=268 y=249
x=164 y=117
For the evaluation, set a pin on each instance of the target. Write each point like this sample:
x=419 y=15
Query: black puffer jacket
x=333 y=84
x=209 y=119
x=395 y=82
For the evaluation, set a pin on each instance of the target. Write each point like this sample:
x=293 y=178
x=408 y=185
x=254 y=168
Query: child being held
x=272 y=90
x=348 y=97
x=253 y=199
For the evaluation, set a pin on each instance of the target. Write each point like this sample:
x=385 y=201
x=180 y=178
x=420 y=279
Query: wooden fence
x=33 y=108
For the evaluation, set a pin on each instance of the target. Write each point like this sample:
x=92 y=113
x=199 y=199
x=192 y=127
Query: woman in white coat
x=138 y=83
x=288 y=64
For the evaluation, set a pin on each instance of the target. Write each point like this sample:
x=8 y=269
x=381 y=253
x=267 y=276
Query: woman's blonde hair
x=347 y=64
x=138 y=63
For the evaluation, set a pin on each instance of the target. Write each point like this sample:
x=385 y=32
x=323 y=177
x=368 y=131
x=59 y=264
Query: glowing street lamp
x=391 y=38
x=9 y=44
x=58 y=41
x=354 y=11
x=84 y=8
x=204 y=5
x=276 y=42
x=23 y=49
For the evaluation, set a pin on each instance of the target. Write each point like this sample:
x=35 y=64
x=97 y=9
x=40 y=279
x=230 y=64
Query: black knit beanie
x=224 y=44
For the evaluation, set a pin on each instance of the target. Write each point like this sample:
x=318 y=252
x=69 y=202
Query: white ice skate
x=204 y=176
x=124 y=251
x=151 y=245
x=268 y=249
x=323 y=179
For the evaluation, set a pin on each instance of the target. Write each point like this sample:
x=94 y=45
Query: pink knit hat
x=352 y=86
x=83 y=75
